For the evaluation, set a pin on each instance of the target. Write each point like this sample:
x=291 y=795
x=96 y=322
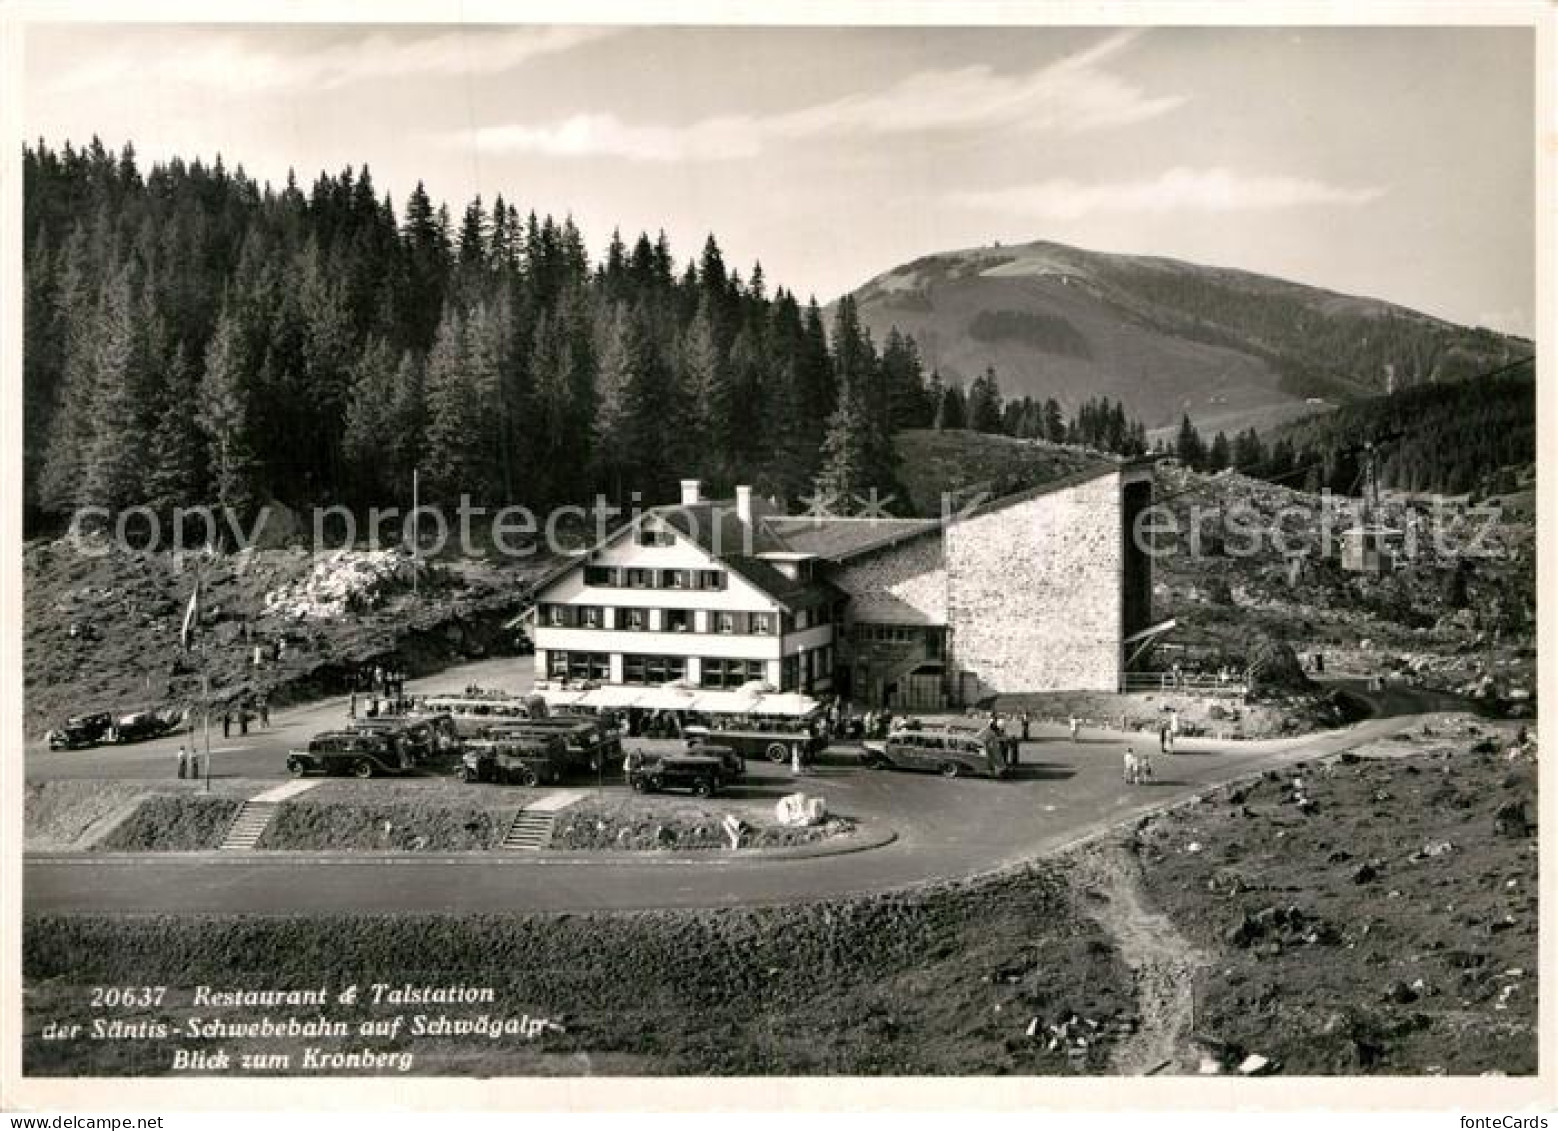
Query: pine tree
x=984 y=403
x=1189 y=448
x=954 y=408
x=1054 y=422
x=70 y=434
x=369 y=421
x=223 y=417
x=845 y=474
x=710 y=393
x=1217 y=455
x=176 y=477
x=113 y=470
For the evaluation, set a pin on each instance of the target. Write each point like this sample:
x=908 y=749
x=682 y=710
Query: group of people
x=372 y=706
x=189 y=763
x=258 y=709
x=388 y=682
x=1138 y=766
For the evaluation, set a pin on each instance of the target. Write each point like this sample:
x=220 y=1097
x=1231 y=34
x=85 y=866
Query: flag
x=190 y=614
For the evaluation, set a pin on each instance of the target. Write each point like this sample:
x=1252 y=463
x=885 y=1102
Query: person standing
x=265 y=711
x=796 y=769
x=227 y=724
x=1163 y=736
x=1027 y=724
x=183 y=763
x=1076 y=729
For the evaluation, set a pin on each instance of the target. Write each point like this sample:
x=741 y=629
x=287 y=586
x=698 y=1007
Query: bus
x=474 y=713
x=589 y=746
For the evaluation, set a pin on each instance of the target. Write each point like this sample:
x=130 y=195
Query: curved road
x=1063 y=792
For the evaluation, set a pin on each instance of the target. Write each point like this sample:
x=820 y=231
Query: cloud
x=1175 y=190
x=241 y=65
x=1072 y=95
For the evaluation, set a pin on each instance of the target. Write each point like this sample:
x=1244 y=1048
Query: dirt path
x=1162 y=962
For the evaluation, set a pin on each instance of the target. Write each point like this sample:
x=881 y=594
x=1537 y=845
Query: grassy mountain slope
x=1231 y=348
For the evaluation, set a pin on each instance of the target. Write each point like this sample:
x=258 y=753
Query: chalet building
x=1041 y=590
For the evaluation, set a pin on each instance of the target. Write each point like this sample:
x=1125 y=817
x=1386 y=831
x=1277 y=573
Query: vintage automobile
x=475 y=710
x=951 y=751
x=81 y=731
x=777 y=740
x=359 y=753
x=588 y=745
x=734 y=765
x=701 y=773
x=514 y=760
x=428 y=738
x=140 y=725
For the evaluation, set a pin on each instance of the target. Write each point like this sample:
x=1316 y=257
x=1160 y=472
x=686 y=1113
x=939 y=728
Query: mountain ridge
x=1230 y=348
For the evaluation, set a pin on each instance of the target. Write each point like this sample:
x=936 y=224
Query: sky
x=1392 y=162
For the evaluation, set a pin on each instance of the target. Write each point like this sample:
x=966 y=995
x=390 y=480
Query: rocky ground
x=1373 y=913
x=102 y=630
x=1209 y=715
x=1456 y=614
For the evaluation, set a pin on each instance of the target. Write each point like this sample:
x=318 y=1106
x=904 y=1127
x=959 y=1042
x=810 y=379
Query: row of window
x=635 y=577
x=715 y=673
x=578 y=665
x=653 y=669
x=727 y=623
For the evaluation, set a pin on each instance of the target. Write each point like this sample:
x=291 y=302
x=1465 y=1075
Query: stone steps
x=250 y=822
x=531 y=831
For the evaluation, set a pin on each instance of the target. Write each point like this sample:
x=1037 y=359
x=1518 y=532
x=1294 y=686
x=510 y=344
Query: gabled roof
x=839 y=538
x=788 y=592
x=717 y=530
x=842 y=539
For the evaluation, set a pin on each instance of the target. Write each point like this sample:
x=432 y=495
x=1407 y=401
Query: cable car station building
x=1038 y=591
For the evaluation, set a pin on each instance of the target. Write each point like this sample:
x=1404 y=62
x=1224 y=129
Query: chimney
x=692 y=492
x=744 y=504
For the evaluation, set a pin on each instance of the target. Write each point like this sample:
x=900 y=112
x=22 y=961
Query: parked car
x=588 y=745
x=778 y=741
x=81 y=731
x=359 y=753
x=428 y=738
x=516 y=760
x=949 y=750
x=733 y=765
x=140 y=725
x=700 y=773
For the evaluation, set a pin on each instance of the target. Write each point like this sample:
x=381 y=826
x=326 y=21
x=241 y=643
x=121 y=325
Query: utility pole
x=205 y=695
x=416 y=544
